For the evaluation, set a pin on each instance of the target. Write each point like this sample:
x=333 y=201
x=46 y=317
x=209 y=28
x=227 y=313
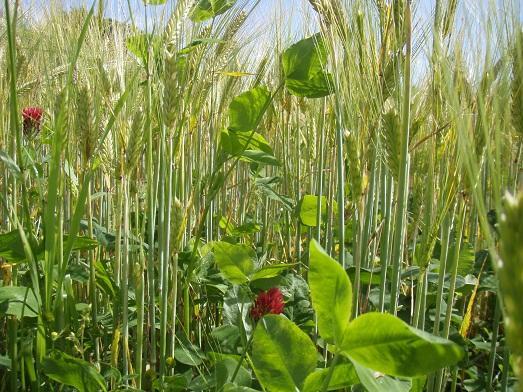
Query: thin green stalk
x=139 y=268
x=187 y=309
x=165 y=255
x=124 y=281
x=298 y=194
x=440 y=381
x=150 y=225
x=421 y=295
x=387 y=189
x=327 y=380
x=12 y=323
x=506 y=369
x=321 y=164
x=372 y=195
x=163 y=266
x=357 y=234
x=446 y=228
x=340 y=171
x=242 y=357
x=454 y=271
x=92 y=279
x=494 y=344
x=12 y=332
x=403 y=183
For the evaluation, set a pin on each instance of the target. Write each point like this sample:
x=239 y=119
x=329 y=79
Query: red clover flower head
x=32 y=119
x=267 y=302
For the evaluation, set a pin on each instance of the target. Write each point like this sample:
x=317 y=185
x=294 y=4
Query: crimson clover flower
x=32 y=119
x=267 y=302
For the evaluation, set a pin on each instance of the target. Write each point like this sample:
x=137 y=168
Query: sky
x=118 y=9
x=471 y=13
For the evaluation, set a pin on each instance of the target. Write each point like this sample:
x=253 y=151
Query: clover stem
x=326 y=382
x=244 y=354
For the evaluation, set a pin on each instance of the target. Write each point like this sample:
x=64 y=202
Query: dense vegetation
x=197 y=208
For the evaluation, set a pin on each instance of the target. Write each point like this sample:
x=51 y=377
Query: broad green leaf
x=331 y=293
x=418 y=384
x=11 y=247
x=367 y=276
x=197 y=42
x=282 y=354
x=188 y=354
x=82 y=243
x=227 y=337
x=304 y=68
x=78 y=272
x=226 y=225
x=260 y=157
x=267 y=186
x=73 y=372
x=308 y=209
x=266 y=284
x=5 y=361
x=10 y=164
x=377 y=382
x=246 y=229
x=17 y=301
x=103 y=235
x=343 y=376
x=176 y=383
x=215 y=357
x=234 y=261
x=387 y=344
x=230 y=387
x=154 y=2
x=316 y=87
x=224 y=370
x=236 y=305
x=298 y=306
x=207 y=9
x=251 y=146
x=247 y=109
x=305 y=58
x=104 y=280
x=467 y=257
x=203 y=382
x=138 y=44
x=271 y=271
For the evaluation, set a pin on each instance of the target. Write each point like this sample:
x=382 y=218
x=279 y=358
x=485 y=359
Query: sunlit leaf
x=207 y=9
x=270 y=271
x=11 y=247
x=250 y=146
x=18 y=301
x=304 y=68
x=247 y=109
x=308 y=209
x=74 y=372
x=331 y=293
x=387 y=344
x=235 y=261
x=343 y=376
x=377 y=382
x=282 y=354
